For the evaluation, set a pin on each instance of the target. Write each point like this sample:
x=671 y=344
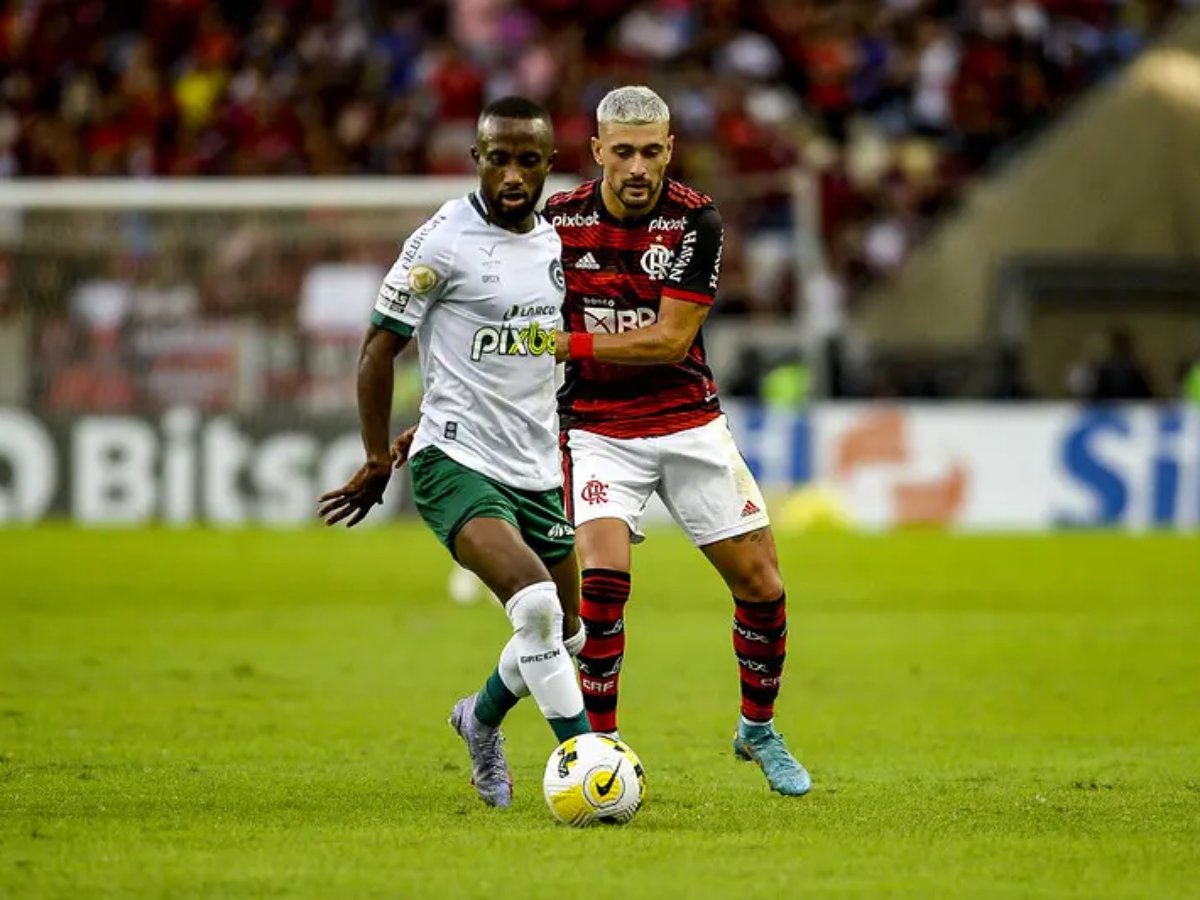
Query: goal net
x=220 y=295
x=177 y=345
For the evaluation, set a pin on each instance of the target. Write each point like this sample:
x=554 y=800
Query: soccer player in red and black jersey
x=639 y=414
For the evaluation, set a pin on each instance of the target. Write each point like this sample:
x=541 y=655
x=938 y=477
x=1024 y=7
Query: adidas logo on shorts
x=750 y=509
x=587 y=261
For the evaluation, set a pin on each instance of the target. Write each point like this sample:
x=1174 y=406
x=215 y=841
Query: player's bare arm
x=376 y=366
x=665 y=342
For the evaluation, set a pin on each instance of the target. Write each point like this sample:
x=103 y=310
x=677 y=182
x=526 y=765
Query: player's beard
x=512 y=215
x=641 y=202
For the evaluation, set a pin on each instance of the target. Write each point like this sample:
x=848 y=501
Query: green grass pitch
x=204 y=714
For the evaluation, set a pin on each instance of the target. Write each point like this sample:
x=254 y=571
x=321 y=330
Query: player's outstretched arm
x=665 y=342
x=376 y=365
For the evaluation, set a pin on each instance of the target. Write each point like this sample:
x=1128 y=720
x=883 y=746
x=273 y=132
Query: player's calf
x=750 y=569
x=605 y=592
x=760 y=644
x=506 y=686
x=543 y=660
x=748 y=564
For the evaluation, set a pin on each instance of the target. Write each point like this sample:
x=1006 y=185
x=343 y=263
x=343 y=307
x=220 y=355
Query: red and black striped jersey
x=617 y=272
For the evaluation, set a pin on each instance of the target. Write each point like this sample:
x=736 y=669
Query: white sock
x=770 y=723
x=575 y=642
x=510 y=670
x=542 y=658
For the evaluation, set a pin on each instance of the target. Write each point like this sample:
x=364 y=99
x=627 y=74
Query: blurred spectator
x=337 y=295
x=1008 y=381
x=788 y=384
x=165 y=71
x=95 y=381
x=1120 y=375
x=892 y=107
x=747 y=375
x=102 y=304
x=1084 y=372
x=1189 y=379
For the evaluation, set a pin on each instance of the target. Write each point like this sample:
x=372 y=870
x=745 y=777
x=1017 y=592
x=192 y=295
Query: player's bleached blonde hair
x=632 y=105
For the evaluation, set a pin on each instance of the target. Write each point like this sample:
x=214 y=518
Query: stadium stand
x=892 y=106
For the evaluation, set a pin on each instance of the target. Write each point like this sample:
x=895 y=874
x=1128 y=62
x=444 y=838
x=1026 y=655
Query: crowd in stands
x=892 y=106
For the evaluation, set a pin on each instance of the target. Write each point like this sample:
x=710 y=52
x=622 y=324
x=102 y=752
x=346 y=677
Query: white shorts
x=699 y=475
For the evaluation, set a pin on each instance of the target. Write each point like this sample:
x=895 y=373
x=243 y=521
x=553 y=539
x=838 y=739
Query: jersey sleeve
x=697 y=267
x=417 y=278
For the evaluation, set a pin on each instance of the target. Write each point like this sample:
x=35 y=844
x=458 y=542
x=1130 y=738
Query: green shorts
x=448 y=495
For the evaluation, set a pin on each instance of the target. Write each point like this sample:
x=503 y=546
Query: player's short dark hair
x=514 y=107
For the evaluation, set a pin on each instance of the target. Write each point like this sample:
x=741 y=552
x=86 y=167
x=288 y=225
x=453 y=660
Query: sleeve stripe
x=690 y=296
x=395 y=326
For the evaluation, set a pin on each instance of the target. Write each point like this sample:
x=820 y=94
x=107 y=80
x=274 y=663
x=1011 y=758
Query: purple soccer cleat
x=489 y=767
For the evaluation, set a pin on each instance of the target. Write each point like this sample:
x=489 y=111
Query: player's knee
x=535 y=613
x=758 y=582
x=604 y=544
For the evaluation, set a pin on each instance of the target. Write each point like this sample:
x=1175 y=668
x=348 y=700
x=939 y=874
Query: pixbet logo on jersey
x=576 y=221
x=532 y=340
x=661 y=224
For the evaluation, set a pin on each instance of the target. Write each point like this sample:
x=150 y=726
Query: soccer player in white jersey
x=481 y=286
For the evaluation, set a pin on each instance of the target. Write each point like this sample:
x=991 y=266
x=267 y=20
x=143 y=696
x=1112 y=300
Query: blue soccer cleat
x=764 y=745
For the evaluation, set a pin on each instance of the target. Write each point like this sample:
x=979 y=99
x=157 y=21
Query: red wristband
x=581 y=345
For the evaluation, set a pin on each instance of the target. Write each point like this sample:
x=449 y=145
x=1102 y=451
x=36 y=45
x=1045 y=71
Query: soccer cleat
x=489 y=768
x=764 y=745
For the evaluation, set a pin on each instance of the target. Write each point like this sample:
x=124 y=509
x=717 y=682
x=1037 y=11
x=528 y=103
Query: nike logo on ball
x=603 y=789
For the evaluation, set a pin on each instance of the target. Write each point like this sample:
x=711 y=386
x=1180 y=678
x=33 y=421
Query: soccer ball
x=594 y=779
x=465 y=588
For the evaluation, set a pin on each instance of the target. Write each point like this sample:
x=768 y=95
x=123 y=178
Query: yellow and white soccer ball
x=594 y=779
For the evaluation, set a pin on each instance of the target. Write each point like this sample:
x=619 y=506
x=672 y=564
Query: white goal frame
x=367 y=192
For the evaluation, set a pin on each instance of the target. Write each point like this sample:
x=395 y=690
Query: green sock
x=569 y=728
x=494 y=701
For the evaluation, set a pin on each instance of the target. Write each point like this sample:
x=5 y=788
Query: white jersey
x=484 y=303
